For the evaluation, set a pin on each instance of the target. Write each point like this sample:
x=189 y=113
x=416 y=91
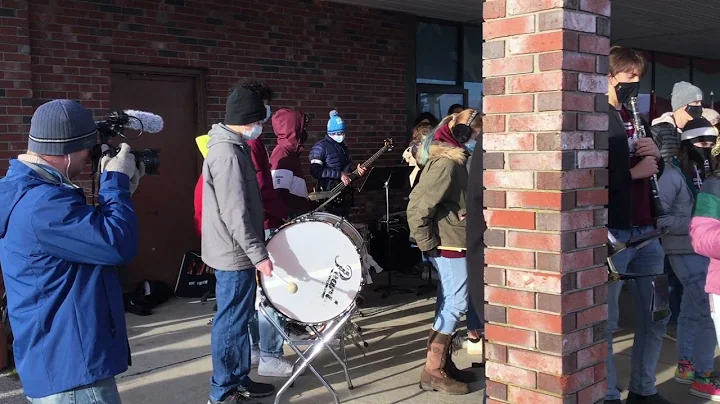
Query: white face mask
x=338 y=138
x=269 y=113
x=253 y=133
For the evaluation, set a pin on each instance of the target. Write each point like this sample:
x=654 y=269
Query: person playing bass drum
x=330 y=165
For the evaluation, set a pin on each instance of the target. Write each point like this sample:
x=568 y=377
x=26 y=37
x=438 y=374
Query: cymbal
x=316 y=196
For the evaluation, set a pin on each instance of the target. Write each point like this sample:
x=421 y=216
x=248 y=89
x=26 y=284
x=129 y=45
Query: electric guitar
x=324 y=194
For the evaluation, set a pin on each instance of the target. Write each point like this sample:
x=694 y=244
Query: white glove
x=123 y=162
x=135 y=178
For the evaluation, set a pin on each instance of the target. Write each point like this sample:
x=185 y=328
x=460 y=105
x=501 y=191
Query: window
x=669 y=69
x=448 y=64
x=706 y=75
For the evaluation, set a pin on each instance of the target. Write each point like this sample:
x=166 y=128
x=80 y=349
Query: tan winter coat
x=437 y=202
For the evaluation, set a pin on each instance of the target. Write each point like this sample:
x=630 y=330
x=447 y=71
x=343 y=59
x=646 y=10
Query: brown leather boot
x=463 y=376
x=434 y=377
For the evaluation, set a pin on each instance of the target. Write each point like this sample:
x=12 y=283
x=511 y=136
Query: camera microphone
x=143 y=121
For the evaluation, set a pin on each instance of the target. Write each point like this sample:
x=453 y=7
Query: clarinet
x=640 y=133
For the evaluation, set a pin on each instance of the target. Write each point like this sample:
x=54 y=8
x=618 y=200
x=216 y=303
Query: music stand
x=396 y=178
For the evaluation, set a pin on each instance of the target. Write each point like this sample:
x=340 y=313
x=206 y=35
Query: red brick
x=494 y=85
x=536 y=161
x=535 y=241
x=592 y=159
x=565 y=262
x=565 y=140
x=565 y=384
x=577 y=301
x=493 y=9
x=511 y=375
x=536 y=361
x=593 y=237
x=593 y=393
x=535 y=320
x=509 y=335
x=493 y=161
x=495 y=276
x=601 y=7
x=592 y=277
x=553 y=121
x=508 y=179
x=494 y=352
x=508 y=27
x=508 y=104
x=593 y=44
x=592 y=122
x=493 y=123
x=544 y=42
x=508 y=141
x=509 y=258
x=508 y=66
x=494 y=199
x=496 y=390
x=595 y=197
x=509 y=297
x=593 y=83
x=510 y=218
x=600 y=372
x=592 y=315
x=565 y=180
x=592 y=355
x=565 y=220
x=534 y=200
x=515 y=7
x=547 y=81
x=533 y=281
x=521 y=396
x=567 y=60
x=567 y=342
x=567 y=101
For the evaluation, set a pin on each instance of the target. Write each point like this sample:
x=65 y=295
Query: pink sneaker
x=706 y=387
x=685 y=372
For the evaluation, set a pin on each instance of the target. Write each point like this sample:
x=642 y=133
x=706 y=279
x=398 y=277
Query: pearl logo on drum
x=344 y=271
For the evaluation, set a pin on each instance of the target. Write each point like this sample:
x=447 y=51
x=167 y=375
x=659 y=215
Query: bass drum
x=323 y=254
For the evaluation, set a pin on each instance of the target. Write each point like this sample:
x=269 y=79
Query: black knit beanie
x=244 y=107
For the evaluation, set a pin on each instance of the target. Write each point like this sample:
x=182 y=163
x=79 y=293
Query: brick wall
x=545 y=155
x=316 y=55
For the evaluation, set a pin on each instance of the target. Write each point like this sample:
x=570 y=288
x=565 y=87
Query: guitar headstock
x=388 y=144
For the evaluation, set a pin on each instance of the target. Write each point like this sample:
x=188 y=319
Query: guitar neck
x=355 y=175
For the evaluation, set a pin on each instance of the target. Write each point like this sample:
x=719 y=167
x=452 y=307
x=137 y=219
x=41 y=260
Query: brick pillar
x=15 y=80
x=545 y=175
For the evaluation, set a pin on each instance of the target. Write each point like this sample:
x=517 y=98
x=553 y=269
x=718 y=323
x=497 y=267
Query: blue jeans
x=264 y=337
x=648 y=333
x=102 y=392
x=230 y=344
x=696 y=339
x=452 y=300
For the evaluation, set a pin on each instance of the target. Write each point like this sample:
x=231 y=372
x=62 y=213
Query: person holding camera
x=59 y=256
x=233 y=243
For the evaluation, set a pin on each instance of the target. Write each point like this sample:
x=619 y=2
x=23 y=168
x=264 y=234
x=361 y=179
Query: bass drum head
x=325 y=265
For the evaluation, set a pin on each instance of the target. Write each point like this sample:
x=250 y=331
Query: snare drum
x=323 y=254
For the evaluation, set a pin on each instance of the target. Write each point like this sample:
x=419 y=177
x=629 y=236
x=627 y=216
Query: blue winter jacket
x=328 y=159
x=58 y=256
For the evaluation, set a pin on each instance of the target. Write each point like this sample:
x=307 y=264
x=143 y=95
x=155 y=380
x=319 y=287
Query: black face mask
x=695 y=111
x=701 y=157
x=625 y=91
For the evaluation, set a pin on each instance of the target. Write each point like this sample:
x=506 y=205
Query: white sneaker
x=254 y=358
x=275 y=367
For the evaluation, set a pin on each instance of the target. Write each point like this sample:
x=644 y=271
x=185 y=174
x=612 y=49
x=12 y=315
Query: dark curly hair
x=257 y=87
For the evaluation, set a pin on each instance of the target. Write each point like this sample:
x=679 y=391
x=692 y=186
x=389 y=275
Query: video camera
x=114 y=125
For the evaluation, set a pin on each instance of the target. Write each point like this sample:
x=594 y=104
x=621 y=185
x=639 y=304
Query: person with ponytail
x=679 y=185
x=436 y=217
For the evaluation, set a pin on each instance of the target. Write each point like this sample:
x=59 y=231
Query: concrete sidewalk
x=171 y=362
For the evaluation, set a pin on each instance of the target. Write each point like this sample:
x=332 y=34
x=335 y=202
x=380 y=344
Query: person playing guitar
x=330 y=164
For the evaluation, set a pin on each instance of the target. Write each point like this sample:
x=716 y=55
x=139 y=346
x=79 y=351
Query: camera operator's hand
x=135 y=179
x=123 y=162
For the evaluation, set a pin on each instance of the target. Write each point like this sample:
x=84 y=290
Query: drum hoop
x=309 y=218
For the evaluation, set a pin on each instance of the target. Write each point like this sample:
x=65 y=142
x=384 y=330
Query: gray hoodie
x=232 y=213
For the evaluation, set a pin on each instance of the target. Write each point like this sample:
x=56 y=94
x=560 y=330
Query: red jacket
x=275 y=210
x=287 y=173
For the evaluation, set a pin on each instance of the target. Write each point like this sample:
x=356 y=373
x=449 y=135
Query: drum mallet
x=291 y=286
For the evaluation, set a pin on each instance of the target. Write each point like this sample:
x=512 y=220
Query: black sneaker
x=235 y=397
x=257 y=390
x=638 y=399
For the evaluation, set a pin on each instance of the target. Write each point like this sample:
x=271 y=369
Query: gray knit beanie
x=684 y=93
x=61 y=127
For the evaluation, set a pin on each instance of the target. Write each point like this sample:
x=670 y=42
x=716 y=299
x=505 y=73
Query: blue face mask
x=338 y=138
x=269 y=113
x=470 y=145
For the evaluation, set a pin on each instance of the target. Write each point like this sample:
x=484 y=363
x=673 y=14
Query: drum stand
x=303 y=362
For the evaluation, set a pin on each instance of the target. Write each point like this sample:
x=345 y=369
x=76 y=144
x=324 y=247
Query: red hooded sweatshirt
x=275 y=210
x=288 y=178
x=444 y=135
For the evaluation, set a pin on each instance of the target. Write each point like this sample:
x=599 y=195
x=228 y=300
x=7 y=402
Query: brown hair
x=462 y=118
x=626 y=60
x=420 y=132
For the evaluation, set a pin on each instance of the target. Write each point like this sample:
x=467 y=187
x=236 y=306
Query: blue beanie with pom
x=335 y=124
